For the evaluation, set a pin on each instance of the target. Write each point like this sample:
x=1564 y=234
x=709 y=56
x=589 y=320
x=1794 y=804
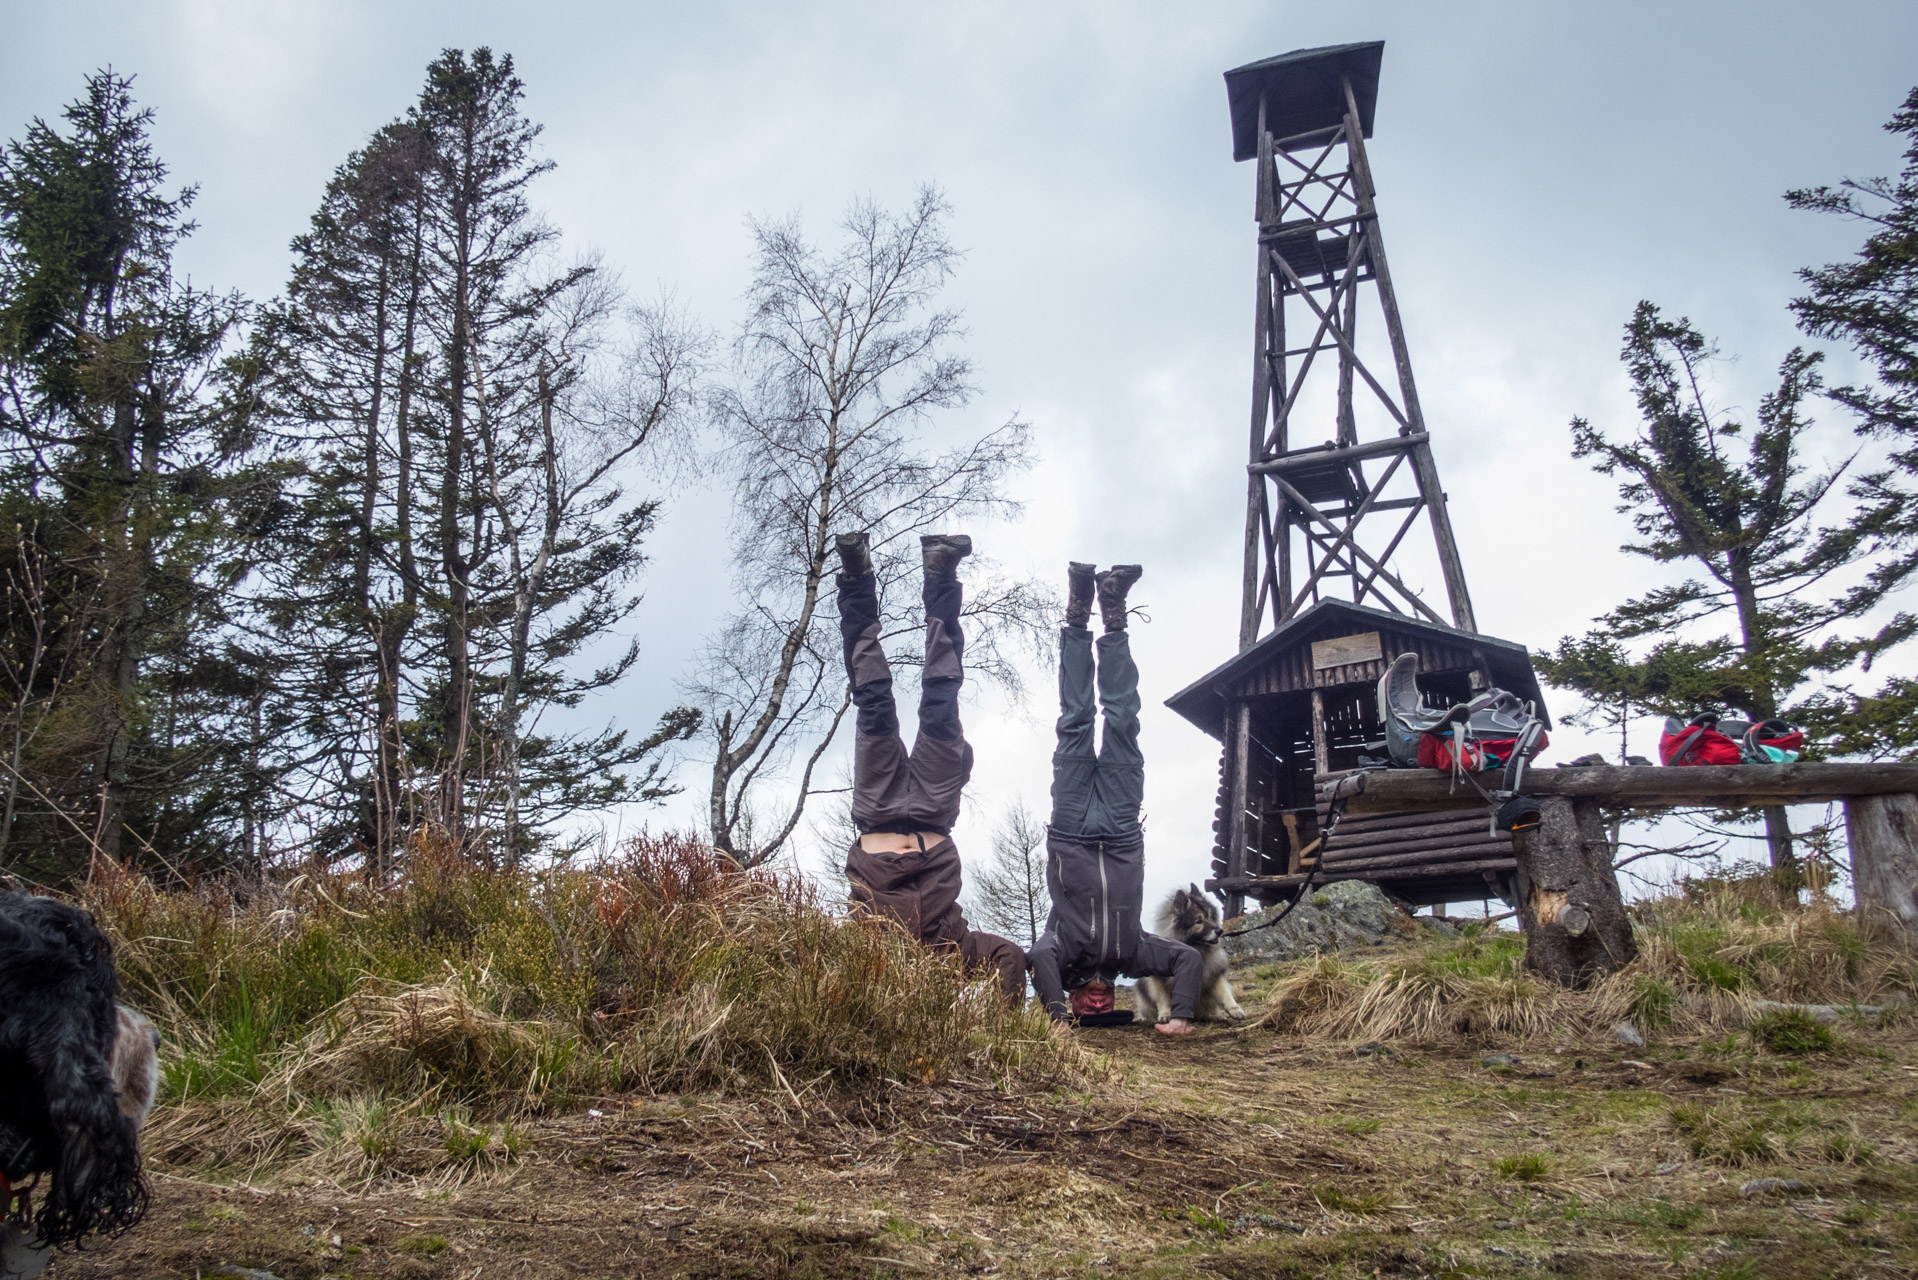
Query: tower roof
x=1301 y=91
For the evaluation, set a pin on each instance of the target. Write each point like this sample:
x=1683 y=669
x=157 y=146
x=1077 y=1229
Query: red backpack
x=1709 y=740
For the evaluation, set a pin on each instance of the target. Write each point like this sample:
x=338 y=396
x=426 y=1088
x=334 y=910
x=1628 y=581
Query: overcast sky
x=1540 y=169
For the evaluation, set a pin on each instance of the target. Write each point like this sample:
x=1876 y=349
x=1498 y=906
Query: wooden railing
x=1575 y=922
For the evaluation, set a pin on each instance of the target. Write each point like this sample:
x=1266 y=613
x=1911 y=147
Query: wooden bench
x=1568 y=899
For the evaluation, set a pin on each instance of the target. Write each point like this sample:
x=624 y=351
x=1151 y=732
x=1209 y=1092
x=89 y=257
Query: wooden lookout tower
x=1339 y=476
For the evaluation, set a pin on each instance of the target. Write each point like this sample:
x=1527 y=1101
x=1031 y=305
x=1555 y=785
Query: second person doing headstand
x=1095 y=845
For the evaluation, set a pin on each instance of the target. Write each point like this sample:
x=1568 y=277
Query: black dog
x=76 y=1078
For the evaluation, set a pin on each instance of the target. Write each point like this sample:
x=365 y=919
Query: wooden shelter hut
x=1303 y=700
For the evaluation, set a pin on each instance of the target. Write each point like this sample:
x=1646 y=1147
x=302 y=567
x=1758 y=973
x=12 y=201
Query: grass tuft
x=1791 y=1031
x=1528 y=1166
x=1727 y=1134
x=1335 y=1199
x=1708 y=956
x=396 y=1030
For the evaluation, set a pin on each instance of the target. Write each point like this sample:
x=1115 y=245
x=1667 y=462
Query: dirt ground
x=1233 y=1153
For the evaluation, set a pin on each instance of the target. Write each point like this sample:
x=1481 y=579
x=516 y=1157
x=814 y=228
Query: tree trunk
x=1784 y=861
x=32 y=585
x=1883 y=834
x=398 y=820
x=527 y=583
x=457 y=716
x=1784 y=864
x=1576 y=931
x=728 y=764
x=125 y=590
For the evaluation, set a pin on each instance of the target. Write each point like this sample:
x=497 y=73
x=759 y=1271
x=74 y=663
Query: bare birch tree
x=828 y=427
x=1009 y=894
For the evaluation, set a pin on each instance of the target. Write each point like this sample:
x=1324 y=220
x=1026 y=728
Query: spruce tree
x=1738 y=507
x=464 y=413
x=1870 y=303
x=128 y=721
x=349 y=356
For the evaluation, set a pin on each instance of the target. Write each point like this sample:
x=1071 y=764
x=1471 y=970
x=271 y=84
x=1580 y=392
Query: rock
x=1373 y=1047
x=1332 y=917
x=1774 y=1187
x=1500 y=1060
x=1626 y=1033
x=1664 y=1169
x=1823 y=1012
x=1504 y=1224
x=20 y=1258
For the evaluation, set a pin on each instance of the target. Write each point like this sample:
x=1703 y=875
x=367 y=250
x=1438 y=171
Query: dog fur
x=78 y=1074
x=135 y=1064
x=1189 y=916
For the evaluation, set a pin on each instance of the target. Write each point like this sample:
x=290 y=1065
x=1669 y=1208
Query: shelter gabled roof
x=1202 y=701
x=1301 y=91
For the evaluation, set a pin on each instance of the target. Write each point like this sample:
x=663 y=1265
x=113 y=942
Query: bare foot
x=1174 y=1027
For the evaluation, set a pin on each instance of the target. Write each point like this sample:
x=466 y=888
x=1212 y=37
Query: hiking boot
x=855 y=554
x=1113 y=584
x=1080 y=588
x=943 y=552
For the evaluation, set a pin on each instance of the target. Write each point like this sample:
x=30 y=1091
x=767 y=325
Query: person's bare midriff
x=898 y=842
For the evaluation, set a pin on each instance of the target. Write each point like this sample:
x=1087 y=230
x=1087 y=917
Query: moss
x=1791 y=1031
x=426 y=1246
x=1527 y=1166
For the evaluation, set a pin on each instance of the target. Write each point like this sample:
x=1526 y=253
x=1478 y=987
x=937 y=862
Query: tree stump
x=1883 y=834
x=1576 y=931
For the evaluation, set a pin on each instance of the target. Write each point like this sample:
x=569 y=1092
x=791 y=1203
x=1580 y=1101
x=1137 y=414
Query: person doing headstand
x=904 y=866
x=1095 y=845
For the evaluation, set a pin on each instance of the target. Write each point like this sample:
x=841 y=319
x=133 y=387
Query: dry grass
x=1708 y=955
x=316 y=1022
x=1234 y=1152
x=1230 y=1153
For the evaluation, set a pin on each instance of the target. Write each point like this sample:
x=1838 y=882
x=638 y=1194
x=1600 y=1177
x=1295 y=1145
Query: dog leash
x=1334 y=811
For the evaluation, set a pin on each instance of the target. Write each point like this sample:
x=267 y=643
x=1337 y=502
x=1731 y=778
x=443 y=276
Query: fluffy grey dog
x=77 y=1077
x=1191 y=917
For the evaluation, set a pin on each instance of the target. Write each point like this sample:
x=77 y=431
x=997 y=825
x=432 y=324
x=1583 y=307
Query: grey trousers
x=894 y=789
x=1097 y=794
